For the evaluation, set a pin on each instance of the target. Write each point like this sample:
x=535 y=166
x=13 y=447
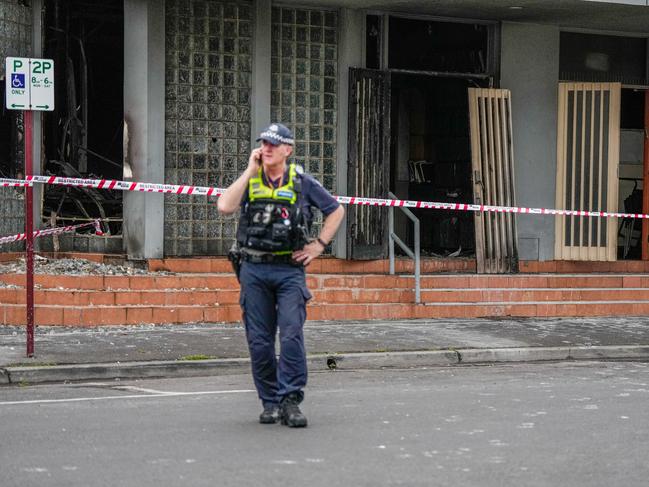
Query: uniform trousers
x=274 y=297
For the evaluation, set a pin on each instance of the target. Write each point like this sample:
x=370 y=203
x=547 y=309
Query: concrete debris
x=4 y=285
x=74 y=267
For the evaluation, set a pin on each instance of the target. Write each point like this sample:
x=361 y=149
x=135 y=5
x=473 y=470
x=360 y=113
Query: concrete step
x=90 y=300
x=327 y=281
x=323 y=265
x=213 y=297
x=331 y=265
x=14 y=314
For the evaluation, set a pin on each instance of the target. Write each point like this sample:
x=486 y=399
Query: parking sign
x=29 y=84
x=17 y=88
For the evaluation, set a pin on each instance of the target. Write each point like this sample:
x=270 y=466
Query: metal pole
x=391 y=238
x=29 y=232
x=417 y=263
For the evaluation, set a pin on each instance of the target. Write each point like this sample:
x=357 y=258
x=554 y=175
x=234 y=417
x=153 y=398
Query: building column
x=351 y=29
x=144 y=125
x=261 y=69
x=530 y=69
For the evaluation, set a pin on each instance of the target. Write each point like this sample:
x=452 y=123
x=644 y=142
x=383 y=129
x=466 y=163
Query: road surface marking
x=138 y=396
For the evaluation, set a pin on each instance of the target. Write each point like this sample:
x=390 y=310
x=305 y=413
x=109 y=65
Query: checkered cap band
x=273 y=136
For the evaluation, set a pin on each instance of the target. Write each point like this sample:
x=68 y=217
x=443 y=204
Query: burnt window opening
x=450 y=47
x=83 y=135
x=632 y=109
x=373 y=33
x=598 y=58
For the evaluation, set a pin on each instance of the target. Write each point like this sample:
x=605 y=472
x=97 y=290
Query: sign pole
x=29 y=86
x=29 y=231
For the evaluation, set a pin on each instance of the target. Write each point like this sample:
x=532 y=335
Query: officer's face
x=272 y=155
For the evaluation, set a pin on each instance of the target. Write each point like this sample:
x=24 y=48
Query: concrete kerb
x=321 y=362
x=125 y=370
x=516 y=354
x=609 y=352
x=537 y=354
x=372 y=360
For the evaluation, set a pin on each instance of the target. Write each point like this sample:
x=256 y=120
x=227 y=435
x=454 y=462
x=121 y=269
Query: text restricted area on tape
x=349 y=200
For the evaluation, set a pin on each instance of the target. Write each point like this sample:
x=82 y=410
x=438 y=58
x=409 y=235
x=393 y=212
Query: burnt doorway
x=368 y=161
x=416 y=99
x=431 y=159
x=83 y=136
x=433 y=63
x=633 y=139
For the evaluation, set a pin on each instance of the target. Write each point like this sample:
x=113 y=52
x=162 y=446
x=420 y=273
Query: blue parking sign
x=17 y=80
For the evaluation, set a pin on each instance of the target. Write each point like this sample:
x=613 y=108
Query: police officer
x=276 y=200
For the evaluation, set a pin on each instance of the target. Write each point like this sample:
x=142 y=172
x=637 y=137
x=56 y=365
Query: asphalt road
x=584 y=424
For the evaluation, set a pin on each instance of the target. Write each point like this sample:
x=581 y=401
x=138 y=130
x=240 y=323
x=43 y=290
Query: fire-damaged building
x=514 y=103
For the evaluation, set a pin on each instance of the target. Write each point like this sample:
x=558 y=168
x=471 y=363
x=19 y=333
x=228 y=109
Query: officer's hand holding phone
x=254 y=162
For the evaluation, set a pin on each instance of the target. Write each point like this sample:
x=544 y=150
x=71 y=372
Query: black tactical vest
x=272 y=219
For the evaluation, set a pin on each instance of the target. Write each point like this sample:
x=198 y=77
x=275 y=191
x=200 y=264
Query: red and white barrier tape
x=350 y=200
x=53 y=231
x=14 y=183
x=127 y=185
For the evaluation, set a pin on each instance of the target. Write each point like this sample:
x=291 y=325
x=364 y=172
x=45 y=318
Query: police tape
x=14 y=182
x=127 y=185
x=350 y=200
x=53 y=231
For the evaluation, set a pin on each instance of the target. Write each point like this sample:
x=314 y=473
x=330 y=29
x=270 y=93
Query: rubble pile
x=74 y=267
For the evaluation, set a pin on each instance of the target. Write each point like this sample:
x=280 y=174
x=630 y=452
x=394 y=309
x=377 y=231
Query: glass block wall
x=304 y=85
x=207 y=103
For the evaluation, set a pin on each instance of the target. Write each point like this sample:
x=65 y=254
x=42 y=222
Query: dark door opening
x=431 y=159
x=83 y=136
x=631 y=172
x=433 y=63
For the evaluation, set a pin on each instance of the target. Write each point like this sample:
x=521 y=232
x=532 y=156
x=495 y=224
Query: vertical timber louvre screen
x=588 y=153
x=492 y=159
x=368 y=161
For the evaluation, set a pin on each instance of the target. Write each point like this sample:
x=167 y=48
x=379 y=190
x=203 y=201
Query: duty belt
x=268 y=258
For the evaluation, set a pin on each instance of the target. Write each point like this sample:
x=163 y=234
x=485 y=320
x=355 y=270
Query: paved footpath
x=67 y=354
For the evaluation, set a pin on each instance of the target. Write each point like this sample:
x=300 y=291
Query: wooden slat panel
x=478 y=185
x=562 y=130
x=492 y=160
x=488 y=189
x=508 y=167
x=587 y=162
x=498 y=176
x=614 y=160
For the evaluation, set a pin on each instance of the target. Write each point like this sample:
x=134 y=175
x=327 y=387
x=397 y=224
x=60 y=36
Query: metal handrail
x=413 y=255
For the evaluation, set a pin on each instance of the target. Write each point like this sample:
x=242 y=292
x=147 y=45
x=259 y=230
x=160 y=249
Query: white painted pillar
x=261 y=68
x=351 y=29
x=144 y=125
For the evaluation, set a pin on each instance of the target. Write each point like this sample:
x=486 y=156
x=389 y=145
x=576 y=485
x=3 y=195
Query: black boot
x=270 y=414
x=290 y=413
